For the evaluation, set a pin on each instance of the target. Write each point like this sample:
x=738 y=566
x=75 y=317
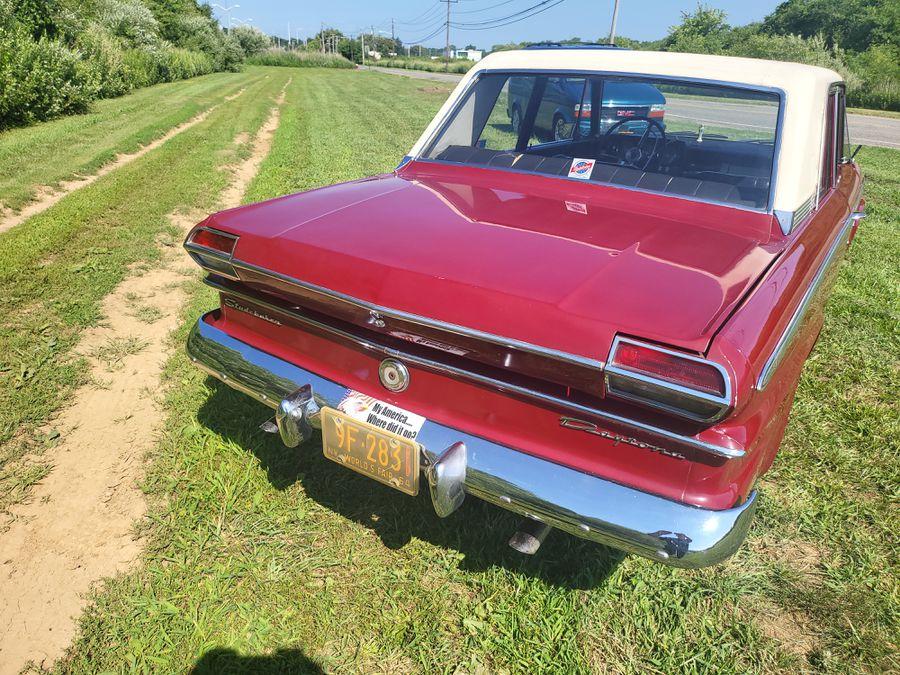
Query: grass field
x=265 y=559
x=56 y=267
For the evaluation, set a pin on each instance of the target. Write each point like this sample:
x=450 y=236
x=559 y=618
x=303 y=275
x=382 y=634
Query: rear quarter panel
x=750 y=337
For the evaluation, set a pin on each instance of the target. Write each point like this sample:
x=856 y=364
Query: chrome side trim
x=382 y=312
x=786 y=340
x=723 y=401
x=787 y=220
x=584 y=505
x=804 y=209
x=660 y=435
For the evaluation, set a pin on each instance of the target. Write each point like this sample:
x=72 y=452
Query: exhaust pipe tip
x=529 y=537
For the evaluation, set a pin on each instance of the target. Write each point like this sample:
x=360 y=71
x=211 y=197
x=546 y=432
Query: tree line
x=860 y=39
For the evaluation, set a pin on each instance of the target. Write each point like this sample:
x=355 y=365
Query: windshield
x=709 y=142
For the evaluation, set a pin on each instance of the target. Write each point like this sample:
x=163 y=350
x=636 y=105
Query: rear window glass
x=707 y=142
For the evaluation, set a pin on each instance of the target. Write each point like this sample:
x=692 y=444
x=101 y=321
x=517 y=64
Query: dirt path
x=47 y=197
x=78 y=526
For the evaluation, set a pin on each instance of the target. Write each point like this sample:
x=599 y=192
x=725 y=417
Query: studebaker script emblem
x=591 y=428
x=228 y=302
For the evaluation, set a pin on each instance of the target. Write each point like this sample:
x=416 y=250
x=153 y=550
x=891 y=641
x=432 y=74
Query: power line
x=510 y=19
x=427 y=37
x=419 y=17
x=484 y=9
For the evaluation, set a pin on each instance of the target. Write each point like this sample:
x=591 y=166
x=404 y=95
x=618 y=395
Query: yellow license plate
x=373 y=452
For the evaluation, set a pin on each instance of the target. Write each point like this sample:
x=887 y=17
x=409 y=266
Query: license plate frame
x=361 y=446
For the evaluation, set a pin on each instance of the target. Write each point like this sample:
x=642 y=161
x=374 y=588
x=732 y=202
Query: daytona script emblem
x=591 y=428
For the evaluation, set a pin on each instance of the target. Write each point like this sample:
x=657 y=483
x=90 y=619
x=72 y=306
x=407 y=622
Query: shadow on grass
x=478 y=530
x=221 y=660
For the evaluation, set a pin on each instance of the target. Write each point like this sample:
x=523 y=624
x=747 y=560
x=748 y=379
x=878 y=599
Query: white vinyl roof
x=805 y=91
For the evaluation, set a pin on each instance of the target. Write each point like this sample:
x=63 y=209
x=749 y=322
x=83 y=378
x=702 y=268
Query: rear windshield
x=708 y=142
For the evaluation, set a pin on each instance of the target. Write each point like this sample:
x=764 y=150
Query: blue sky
x=588 y=19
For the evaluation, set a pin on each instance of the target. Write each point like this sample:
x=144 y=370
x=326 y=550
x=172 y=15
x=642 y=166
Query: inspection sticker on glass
x=581 y=168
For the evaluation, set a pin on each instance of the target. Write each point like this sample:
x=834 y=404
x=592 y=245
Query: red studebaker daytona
x=601 y=331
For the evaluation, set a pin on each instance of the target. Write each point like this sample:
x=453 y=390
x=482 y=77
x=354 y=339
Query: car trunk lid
x=529 y=274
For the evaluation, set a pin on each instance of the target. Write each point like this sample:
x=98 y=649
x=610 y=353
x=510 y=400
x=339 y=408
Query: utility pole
x=393 y=37
x=322 y=37
x=289 y=36
x=612 y=28
x=362 y=43
x=447 y=42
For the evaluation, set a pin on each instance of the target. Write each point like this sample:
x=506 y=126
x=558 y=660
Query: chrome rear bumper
x=586 y=506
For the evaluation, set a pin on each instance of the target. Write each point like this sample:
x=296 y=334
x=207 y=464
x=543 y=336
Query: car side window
x=556 y=113
x=844 y=149
x=829 y=151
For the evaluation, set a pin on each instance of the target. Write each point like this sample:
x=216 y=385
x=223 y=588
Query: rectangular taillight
x=657 y=111
x=212 y=250
x=678 y=383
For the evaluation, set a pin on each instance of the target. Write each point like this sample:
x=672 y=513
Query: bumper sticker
x=382 y=415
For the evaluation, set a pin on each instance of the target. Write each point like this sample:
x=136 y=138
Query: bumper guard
x=457 y=463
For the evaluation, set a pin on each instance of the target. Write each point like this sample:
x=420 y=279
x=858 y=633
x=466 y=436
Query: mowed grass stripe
x=46 y=154
x=338 y=135
x=57 y=266
x=263 y=557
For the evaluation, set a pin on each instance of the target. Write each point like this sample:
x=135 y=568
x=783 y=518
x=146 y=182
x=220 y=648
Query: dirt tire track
x=47 y=197
x=78 y=526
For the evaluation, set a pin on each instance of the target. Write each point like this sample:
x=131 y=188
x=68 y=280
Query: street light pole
x=612 y=28
x=227 y=11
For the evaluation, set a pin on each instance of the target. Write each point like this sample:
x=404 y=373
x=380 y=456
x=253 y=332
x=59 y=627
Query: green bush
x=181 y=64
x=879 y=70
x=40 y=79
x=252 y=40
x=129 y=20
x=144 y=67
x=104 y=63
x=280 y=57
x=812 y=51
x=433 y=66
x=56 y=56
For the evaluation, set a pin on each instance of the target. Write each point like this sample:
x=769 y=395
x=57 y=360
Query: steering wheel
x=638 y=152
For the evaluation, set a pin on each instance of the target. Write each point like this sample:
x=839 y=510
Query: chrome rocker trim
x=786 y=341
x=457 y=463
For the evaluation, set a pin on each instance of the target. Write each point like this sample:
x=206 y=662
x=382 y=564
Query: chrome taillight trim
x=723 y=402
x=660 y=434
x=210 y=259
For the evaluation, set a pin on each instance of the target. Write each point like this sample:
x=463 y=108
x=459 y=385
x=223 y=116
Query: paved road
x=865 y=129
